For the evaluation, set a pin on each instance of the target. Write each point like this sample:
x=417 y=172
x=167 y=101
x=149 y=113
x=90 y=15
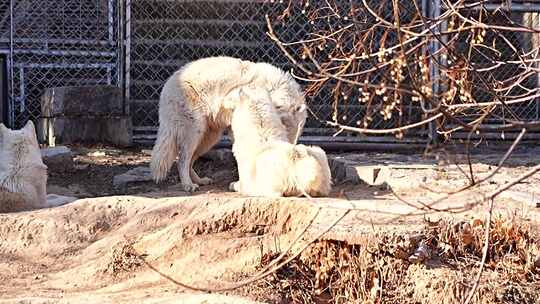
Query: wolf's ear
x=3 y=130
x=30 y=132
x=301 y=150
x=29 y=128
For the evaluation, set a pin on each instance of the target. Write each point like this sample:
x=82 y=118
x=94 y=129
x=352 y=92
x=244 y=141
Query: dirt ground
x=92 y=250
x=95 y=168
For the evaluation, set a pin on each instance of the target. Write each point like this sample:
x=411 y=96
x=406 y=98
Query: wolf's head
x=254 y=109
x=287 y=96
x=21 y=167
x=290 y=103
x=21 y=143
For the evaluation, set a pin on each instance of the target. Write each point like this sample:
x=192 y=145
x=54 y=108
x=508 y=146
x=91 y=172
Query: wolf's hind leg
x=189 y=139
x=200 y=180
x=208 y=140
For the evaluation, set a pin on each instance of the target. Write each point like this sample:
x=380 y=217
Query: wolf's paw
x=205 y=181
x=234 y=186
x=190 y=187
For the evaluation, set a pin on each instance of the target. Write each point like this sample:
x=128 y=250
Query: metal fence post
x=120 y=43
x=10 y=67
x=432 y=9
x=532 y=19
x=127 y=45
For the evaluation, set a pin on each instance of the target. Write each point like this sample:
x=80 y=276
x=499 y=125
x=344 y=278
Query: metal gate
x=57 y=43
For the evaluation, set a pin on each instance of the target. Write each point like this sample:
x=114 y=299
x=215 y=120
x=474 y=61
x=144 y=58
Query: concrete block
x=58 y=159
x=528 y=198
x=82 y=101
x=364 y=169
x=68 y=130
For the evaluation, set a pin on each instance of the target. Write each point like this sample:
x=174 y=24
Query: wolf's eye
x=300 y=108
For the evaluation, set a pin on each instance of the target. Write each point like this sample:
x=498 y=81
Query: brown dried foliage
x=459 y=67
x=380 y=270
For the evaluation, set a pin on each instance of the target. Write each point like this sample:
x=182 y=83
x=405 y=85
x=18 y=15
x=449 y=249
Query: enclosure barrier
x=138 y=44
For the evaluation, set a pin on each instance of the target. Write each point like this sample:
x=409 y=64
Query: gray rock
x=58 y=159
x=54 y=200
x=219 y=155
x=371 y=175
x=139 y=174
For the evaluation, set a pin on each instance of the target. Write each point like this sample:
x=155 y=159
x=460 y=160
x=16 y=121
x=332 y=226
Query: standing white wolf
x=193 y=115
x=268 y=164
x=23 y=175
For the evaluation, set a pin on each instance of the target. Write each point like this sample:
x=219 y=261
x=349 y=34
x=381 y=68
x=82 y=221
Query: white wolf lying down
x=268 y=164
x=193 y=115
x=23 y=175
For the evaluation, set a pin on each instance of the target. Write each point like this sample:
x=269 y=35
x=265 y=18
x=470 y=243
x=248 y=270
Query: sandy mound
x=89 y=246
x=90 y=251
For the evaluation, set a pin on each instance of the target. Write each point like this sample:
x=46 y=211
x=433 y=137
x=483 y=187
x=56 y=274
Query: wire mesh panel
x=167 y=34
x=509 y=55
x=68 y=42
x=4 y=24
x=58 y=43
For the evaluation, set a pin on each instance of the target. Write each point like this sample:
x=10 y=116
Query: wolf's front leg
x=246 y=167
x=235 y=186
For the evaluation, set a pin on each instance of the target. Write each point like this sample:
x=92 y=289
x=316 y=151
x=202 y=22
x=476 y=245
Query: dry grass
x=122 y=259
x=435 y=265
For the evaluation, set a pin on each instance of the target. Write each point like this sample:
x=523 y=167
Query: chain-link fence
x=86 y=42
x=511 y=47
x=167 y=34
x=56 y=43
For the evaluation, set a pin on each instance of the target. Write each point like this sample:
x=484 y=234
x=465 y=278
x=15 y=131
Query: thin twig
x=484 y=252
x=267 y=270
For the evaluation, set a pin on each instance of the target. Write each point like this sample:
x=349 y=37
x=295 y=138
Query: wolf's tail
x=165 y=150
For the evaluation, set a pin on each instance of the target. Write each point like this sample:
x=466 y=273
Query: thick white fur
x=23 y=176
x=195 y=108
x=268 y=164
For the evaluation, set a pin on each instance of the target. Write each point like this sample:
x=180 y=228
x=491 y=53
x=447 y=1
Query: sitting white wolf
x=268 y=164
x=193 y=115
x=23 y=175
